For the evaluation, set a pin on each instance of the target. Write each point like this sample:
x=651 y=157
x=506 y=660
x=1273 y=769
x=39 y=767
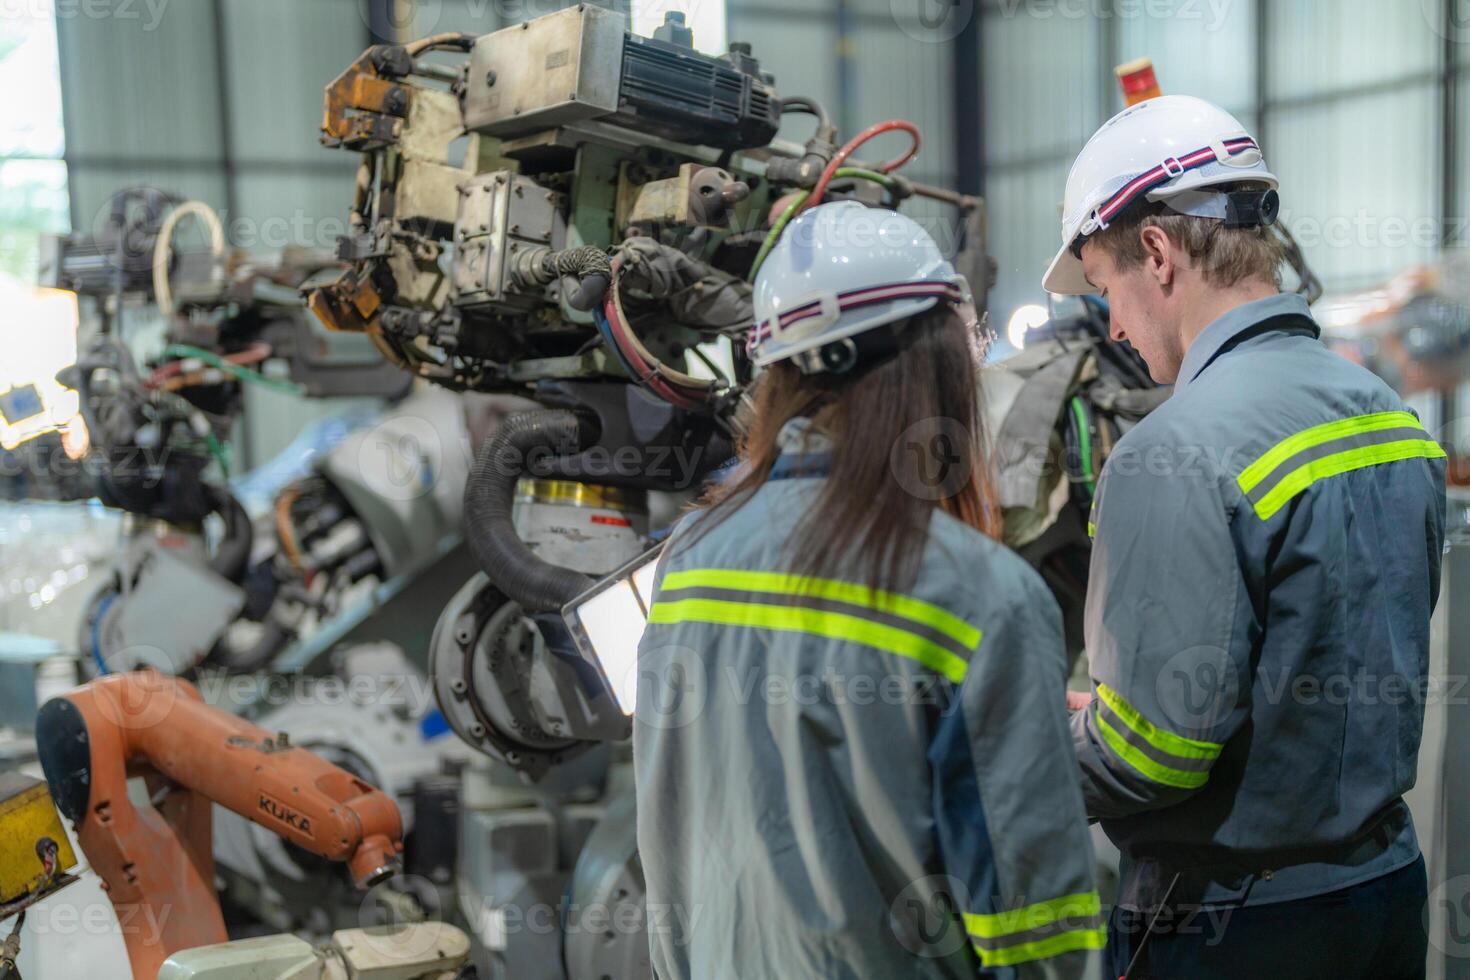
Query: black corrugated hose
x=489 y=497
x=233 y=555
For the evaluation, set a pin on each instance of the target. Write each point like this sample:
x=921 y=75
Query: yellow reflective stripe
x=1351 y=459
x=1064 y=942
x=1253 y=474
x=1164 y=741
x=819 y=622
x=993 y=925
x=780 y=582
x=1091 y=530
x=1156 y=771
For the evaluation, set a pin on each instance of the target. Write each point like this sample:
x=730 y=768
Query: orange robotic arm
x=155 y=859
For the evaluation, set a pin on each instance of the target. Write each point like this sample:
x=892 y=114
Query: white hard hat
x=837 y=271
x=1162 y=149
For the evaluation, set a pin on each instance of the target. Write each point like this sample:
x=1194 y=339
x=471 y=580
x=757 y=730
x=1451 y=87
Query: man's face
x=1139 y=311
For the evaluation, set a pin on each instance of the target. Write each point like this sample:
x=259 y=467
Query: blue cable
x=605 y=330
x=102 y=608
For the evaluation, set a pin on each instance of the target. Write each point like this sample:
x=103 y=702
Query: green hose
x=233 y=370
x=220 y=452
x=795 y=206
x=1084 y=444
x=776 y=229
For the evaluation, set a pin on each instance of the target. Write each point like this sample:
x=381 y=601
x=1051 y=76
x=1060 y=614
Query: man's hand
x=1077 y=700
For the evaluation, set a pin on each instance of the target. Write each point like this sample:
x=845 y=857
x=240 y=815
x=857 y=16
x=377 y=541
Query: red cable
x=820 y=189
x=647 y=376
x=254 y=354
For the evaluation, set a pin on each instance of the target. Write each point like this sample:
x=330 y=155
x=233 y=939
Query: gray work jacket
x=841 y=783
x=1266 y=558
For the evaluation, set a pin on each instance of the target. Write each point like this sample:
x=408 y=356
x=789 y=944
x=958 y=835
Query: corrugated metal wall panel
x=93 y=185
x=1323 y=45
x=906 y=75
x=476 y=16
x=800 y=52
x=1025 y=231
x=1203 y=49
x=139 y=88
x=1460 y=208
x=280 y=210
x=281 y=56
x=1362 y=208
x=1040 y=83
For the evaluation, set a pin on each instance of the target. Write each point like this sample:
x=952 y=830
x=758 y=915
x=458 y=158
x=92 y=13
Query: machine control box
x=34 y=848
x=581 y=64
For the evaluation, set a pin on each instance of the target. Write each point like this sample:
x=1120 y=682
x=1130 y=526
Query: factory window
x=33 y=193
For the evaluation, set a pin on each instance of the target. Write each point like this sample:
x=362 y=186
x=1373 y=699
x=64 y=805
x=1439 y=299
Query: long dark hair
x=907 y=437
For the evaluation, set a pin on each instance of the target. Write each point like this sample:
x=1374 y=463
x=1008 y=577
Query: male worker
x=1266 y=559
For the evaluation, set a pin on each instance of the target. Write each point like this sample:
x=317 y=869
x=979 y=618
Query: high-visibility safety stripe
x=1330 y=450
x=1156 y=771
x=1159 y=755
x=858 y=595
x=897 y=624
x=1038 y=931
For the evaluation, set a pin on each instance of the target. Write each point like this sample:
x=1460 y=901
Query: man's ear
x=1158 y=254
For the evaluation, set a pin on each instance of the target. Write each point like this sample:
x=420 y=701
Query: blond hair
x=1226 y=256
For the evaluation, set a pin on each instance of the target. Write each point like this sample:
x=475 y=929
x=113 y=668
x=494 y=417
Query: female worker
x=851 y=747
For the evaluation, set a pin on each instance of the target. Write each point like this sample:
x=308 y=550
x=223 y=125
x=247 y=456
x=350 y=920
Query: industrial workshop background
x=1364 y=104
x=1361 y=106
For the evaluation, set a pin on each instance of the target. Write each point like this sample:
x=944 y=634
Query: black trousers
x=1369 y=931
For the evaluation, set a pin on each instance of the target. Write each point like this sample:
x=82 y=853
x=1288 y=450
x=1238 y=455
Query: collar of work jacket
x=1227 y=327
x=799 y=437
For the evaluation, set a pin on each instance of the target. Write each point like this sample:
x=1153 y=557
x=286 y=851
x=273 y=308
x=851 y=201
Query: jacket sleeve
x=1168 y=630
x=1009 y=816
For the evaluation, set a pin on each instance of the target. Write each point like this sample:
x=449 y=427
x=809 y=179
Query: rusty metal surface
x=364 y=111
x=21 y=904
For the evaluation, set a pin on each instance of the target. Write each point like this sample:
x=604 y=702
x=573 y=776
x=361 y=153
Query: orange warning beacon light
x=1138 y=80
